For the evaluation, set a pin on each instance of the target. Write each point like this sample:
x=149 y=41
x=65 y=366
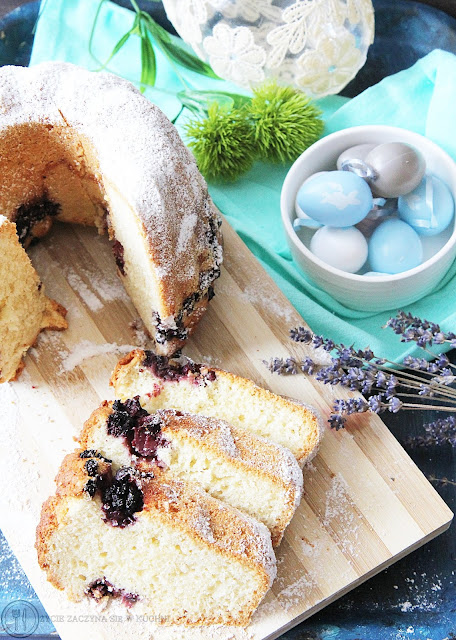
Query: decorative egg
x=353 y=159
x=336 y=198
x=381 y=210
x=394 y=247
x=317 y=47
x=429 y=208
x=398 y=169
x=344 y=248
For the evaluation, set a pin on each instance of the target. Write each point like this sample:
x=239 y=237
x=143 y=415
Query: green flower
x=286 y=122
x=223 y=143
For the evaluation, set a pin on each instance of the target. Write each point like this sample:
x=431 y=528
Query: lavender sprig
x=409 y=386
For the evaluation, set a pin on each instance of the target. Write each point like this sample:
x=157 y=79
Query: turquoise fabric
x=421 y=98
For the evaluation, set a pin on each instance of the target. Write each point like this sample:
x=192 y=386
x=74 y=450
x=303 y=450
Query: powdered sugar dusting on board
x=87 y=295
x=257 y=294
x=341 y=517
x=86 y=349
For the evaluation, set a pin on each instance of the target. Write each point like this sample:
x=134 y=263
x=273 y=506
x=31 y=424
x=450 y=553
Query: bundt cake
x=24 y=308
x=253 y=474
x=161 y=545
x=88 y=148
x=196 y=388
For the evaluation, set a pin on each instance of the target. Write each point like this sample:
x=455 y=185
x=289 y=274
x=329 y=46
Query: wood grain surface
x=366 y=504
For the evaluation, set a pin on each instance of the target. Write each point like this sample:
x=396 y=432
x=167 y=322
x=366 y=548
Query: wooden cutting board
x=365 y=506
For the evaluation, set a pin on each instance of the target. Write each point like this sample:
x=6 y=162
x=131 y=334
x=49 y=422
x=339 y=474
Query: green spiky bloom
x=223 y=143
x=286 y=122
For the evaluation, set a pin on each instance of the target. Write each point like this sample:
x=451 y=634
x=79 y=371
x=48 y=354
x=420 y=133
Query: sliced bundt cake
x=162 y=545
x=246 y=471
x=85 y=147
x=196 y=388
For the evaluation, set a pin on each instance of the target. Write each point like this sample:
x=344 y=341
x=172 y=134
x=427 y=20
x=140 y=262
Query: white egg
x=344 y=248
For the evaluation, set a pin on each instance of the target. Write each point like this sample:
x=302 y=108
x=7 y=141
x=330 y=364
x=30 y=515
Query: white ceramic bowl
x=368 y=293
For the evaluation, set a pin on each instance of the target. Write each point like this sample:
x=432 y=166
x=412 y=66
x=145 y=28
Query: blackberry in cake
x=250 y=473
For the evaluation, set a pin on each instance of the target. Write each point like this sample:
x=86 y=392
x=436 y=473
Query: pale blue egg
x=394 y=247
x=429 y=208
x=336 y=198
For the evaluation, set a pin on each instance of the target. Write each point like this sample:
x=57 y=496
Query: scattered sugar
x=257 y=293
x=340 y=516
x=423 y=593
x=293 y=593
x=87 y=295
x=86 y=349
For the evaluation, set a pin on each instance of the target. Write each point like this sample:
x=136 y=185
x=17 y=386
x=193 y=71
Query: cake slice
x=250 y=473
x=24 y=308
x=200 y=389
x=161 y=545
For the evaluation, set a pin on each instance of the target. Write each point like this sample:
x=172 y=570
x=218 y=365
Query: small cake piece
x=161 y=545
x=250 y=473
x=24 y=308
x=197 y=388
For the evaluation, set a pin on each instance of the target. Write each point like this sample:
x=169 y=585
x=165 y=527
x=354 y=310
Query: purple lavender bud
x=394 y=405
x=301 y=334
x=336 y=421
x=442 y=360
x=381 y=379
x=425 y=390
x=308 y=366
x=375 y=404
x=329 y=345
x=317 y=341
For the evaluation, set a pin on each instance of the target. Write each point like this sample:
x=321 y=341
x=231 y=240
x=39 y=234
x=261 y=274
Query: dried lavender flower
x=410 y=386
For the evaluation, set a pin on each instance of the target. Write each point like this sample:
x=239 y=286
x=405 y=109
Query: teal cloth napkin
x=421 y=98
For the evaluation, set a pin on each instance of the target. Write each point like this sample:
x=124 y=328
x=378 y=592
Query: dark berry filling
x=122 y=499
x=28 y=215
x=98 y=481
x=141 y=431
x=91 y=466
x=121 y=496
x=165 y=333
x=91 y=453
x=101 y=588
x=166 y=369
x=118 y=252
